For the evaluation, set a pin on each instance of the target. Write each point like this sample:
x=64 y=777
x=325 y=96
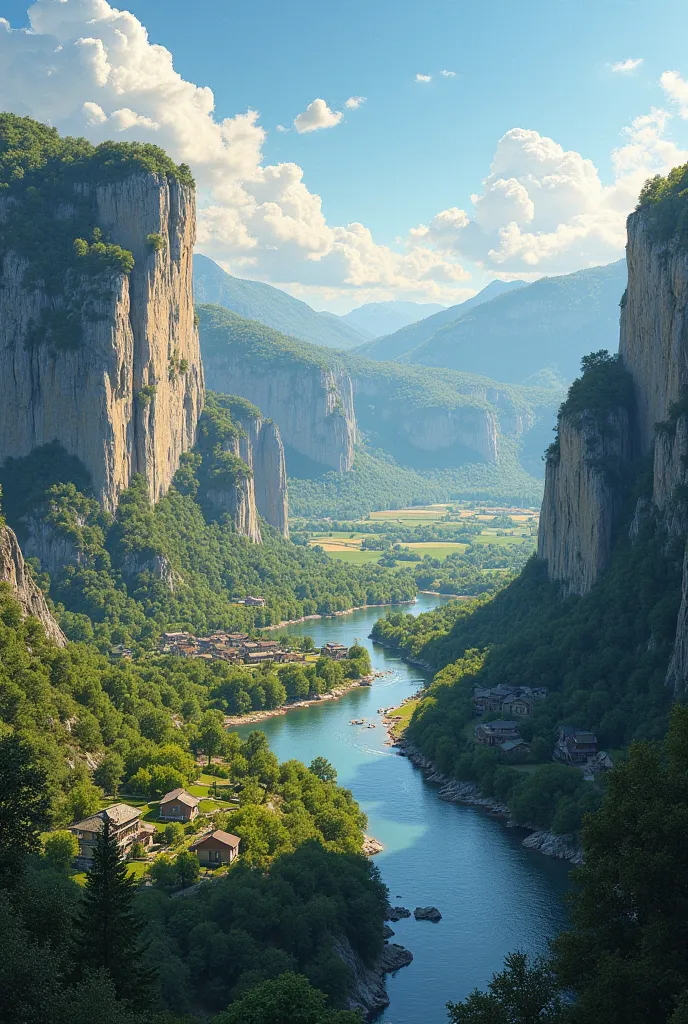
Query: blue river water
x=494 y=895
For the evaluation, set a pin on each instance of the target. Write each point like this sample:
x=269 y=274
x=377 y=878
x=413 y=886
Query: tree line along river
x=494 y=895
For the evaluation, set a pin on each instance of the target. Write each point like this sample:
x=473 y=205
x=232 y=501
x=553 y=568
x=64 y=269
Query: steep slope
x=395 y=345
x=271 y=306
x=311 y=399
x=550 y=324
x=428 y=420
x=13 y=571
x=100 y=351
x=380 y=318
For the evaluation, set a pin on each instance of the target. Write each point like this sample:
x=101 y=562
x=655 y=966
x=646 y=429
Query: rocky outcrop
x=565 y=847
x=677 y=673
x=123 y=389
x=368 y=992
x=263 y=452
x=313 y=406
x=13 y=570
x=159 y=566
x=581 y=503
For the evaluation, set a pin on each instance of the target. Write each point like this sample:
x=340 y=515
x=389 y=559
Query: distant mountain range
x=392 y=346
x=517 y=332
x=377 y=318
x=273 y=307
x=547 y=326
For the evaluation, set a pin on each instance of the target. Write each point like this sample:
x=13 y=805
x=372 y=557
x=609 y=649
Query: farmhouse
x=493 y=734
x=216 y=848
x=574 y=746
x=178 y=805
x=124 y=822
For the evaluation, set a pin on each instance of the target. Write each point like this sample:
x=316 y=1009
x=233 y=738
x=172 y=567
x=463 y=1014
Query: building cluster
x=577 y=747
x=234 y=648
x=213 y=847
x=510 y=700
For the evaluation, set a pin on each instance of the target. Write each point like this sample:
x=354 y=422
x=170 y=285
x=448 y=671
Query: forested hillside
x=547 y=326
x=271 y=306
x=420 y=435
x=179 y=564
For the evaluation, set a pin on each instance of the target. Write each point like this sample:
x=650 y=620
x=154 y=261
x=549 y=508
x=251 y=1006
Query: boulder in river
x=427 y=914
x=371 y=846
x=387 y=932
x=396 y=913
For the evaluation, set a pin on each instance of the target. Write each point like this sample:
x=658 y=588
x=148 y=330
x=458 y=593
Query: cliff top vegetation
x=34 y=156
x=604 y=387
x=664 y=203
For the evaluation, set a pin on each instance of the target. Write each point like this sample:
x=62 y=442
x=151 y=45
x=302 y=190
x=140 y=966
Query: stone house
x=574 y=746
x=178 y=805
x=335 y=651
x=125 y=823
x=493 y=734
x=216 y=848
x=516 y=705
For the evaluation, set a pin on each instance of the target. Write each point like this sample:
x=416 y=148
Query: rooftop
x=222 y=837
x=118 y=814
x=181 y=796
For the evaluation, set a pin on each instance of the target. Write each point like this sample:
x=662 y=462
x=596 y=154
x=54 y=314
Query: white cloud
x=625 y=66
x=448 y=74
x=423 y=78
x=281 y=128
x=676 y=89
x=317 y=115
x=545 y=209
x=354 y=102
x=90 y=69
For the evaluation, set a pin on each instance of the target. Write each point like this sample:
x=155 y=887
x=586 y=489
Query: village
x=234 y=648
x=575 y=747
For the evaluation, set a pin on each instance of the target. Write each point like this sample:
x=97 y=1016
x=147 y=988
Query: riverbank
x=334 y=615
x=416 y=662
x=561 y=847
x=231 y=721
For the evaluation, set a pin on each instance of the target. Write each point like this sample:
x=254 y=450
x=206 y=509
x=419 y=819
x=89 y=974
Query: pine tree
x=108 y=928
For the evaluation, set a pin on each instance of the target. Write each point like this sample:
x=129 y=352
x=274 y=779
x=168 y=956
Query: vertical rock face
x=127 y=397
x=469 y=428
x=654 y=324
x=313 y=406
x=13 y=570
x=580 y=504
x=263 y=452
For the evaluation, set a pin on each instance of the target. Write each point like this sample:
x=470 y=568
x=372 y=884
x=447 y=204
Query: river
x=494 y=895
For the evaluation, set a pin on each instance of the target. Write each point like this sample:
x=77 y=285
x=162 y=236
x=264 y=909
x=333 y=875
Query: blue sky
x=414 y=149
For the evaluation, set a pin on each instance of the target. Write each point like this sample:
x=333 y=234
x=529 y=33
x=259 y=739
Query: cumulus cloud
x=625 y=66
x=545 y=209
x=354 y=102
x=317 y=115
x=423 y=78
x=448 y=74
x=676 y=89
x=90 y=69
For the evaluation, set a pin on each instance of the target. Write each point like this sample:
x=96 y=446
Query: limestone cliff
x=581 y=503
x=13 y=570
x=262 y=450
x=312 y=405
x=108 y=364
x=654 y=324
x=466 y=432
